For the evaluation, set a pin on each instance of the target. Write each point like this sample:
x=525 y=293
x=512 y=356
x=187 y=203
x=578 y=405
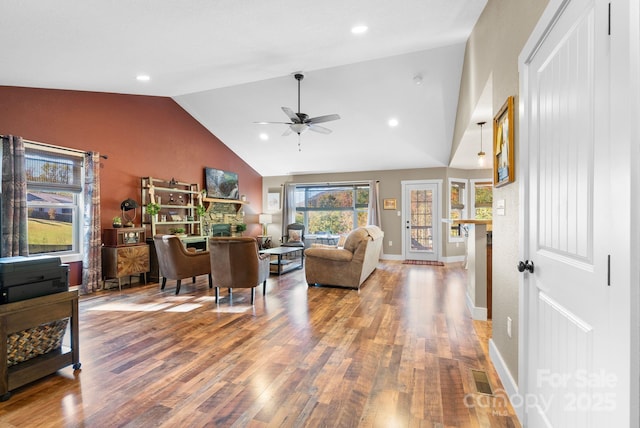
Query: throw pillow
x=341 y=241
x=294 y=236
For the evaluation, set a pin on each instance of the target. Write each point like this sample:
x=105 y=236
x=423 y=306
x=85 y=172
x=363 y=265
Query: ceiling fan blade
x=287 y=132
x=320 y=129
x=290 y=113
x=273 y=123
x=326 y=118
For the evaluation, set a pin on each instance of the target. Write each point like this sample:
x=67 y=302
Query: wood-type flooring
x=399 y=353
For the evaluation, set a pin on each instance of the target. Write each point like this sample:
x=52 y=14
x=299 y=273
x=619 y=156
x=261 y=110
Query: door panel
x=566 y=100
x=421 y=221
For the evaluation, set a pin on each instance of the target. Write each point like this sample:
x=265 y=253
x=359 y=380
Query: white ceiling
x=229 y=63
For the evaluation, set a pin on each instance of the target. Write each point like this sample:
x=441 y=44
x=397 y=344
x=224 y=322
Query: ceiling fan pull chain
x=299 y=148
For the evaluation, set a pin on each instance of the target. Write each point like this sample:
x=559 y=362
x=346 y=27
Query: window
x=482 y=200
x=457 y=207
x=54 y=195
x=332 y=209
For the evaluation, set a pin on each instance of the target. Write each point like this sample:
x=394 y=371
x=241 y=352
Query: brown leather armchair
x=177 y=263
x=236 y=263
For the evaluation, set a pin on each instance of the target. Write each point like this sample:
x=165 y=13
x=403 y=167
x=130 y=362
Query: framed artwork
x=389 y=204
x=273 y=200
x=503 y=160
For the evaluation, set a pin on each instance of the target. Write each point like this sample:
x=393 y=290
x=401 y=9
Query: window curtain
x=288 y=207
x=374 y=203
x=14 y=198
x=91 y=257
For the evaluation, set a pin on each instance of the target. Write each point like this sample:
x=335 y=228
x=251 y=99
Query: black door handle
x=526 y=265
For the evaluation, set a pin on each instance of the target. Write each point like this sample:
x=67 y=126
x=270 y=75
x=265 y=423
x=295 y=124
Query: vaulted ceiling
x=230 y=63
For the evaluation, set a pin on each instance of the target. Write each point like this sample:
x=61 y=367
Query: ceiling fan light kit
x=301 y=122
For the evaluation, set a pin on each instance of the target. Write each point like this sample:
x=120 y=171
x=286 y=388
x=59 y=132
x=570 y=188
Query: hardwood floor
x=399 y=353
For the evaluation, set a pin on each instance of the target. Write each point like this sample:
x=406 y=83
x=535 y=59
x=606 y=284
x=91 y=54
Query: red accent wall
x=141 y=135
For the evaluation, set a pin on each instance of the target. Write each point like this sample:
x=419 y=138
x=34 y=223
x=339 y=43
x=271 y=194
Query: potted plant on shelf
x=153 y=209
x=178 y=231
x=200 y=209
x=241 y=227
x=117 y=222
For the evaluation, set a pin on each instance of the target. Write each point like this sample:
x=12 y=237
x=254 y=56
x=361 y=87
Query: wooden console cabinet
x=125 y=253
x=26 y=314
x=118 y=262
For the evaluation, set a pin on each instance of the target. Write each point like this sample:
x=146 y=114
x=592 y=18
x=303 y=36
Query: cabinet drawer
x=123 y=261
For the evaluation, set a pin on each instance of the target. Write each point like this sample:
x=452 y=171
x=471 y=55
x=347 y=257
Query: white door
x=421 y=220
x=570 y=381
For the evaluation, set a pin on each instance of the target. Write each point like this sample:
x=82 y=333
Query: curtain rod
x=333 y=183
x=37 y=143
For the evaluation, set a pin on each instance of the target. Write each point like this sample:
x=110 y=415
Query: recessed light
x=359 y=29
x=143 y=77
x=264 y=137
x=393 y=122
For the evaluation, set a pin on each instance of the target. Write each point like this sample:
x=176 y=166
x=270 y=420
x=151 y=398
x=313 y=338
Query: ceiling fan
x=301 y=122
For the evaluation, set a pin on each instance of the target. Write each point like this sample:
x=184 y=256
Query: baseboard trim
x=510 y=386
x=391 y=257
x=477 y=313
x=452 y=259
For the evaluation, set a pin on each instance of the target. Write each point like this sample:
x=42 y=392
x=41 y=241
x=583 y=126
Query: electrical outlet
x=391 y=243
x=509 y=326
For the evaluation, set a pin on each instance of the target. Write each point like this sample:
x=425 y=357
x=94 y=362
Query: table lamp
x=125 y=206
x=264 y=220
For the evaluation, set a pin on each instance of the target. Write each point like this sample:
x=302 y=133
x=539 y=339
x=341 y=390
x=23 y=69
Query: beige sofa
x=345 y=267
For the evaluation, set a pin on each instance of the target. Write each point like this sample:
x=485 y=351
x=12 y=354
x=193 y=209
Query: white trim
x=391 y=257
x=634 y=38
x=452 y=259
x=477 y=313
x=510 y=385
x=398 y=257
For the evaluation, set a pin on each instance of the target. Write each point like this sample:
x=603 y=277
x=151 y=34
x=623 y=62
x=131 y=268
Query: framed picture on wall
x=273 y=200
x=503 y=159
x=389 y=204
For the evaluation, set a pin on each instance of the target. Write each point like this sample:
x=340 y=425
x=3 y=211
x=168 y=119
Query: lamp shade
x=265 y=218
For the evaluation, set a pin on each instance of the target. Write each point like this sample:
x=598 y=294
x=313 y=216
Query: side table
x=30 y=314
x=118 y=262
x=264 y=242
x=281 y=265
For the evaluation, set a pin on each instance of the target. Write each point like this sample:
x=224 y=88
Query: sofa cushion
x=294 y=236
x=329 y=253
x=354 y=238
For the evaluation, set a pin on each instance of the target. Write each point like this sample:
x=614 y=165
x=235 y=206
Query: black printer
x=23 y=278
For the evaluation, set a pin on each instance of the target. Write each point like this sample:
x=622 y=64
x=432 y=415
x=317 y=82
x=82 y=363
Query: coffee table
x=281 y=265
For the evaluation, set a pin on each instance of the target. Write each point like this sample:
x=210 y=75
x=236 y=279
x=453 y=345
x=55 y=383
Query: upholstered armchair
x=294 y=236
x=347 y=266
x=177 y=263
x=236 y=263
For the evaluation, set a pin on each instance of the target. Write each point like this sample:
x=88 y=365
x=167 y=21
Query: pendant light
x=481 y=152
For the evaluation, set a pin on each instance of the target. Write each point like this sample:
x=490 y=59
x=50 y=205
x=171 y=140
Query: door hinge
x=609 y=21
x=609 y=270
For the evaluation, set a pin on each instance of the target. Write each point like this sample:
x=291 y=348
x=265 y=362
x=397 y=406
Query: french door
x=421 y=219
